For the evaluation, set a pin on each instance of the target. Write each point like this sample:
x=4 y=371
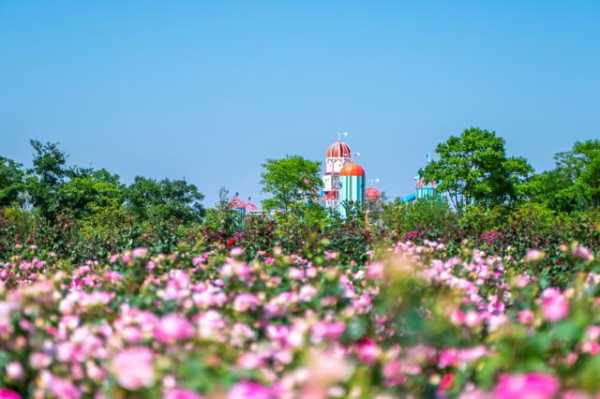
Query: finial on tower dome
x=342 y=134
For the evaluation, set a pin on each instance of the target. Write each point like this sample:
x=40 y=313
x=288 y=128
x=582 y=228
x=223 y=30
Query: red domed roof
x=339 y=149
x=352 y=169
x=373 y=194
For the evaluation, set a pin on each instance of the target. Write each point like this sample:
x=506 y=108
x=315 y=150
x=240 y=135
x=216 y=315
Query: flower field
x=411 y=322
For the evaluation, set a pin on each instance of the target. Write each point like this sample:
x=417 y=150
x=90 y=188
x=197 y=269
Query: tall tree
x=290 y=180
x=11 y=182
x=165 y=199
x=574 y=183
x=48 y=174
x=89 y=191
x=474 y=168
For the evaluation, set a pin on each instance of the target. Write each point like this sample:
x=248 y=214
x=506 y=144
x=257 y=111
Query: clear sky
x=208 y=90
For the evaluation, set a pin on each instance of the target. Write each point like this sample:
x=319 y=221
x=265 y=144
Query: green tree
x=168 y=200
x=290 y=180
x=12 y=179
x=574 y=183
x=45 y=178
x=473 y=169
x=90 y=191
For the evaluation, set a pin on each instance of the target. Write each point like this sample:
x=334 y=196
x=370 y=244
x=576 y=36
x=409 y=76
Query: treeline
x=485 y=197
x=82 y=212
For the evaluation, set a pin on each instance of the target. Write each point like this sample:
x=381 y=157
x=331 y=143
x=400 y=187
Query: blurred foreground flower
x=133 y=368
x=529 y=386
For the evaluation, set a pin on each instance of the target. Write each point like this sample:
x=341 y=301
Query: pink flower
x=39 y=360
x=555 y=306
x=245 y=301
x=6 y=393
x=182 y=394
x=139 y=252
x=237 y=251
x=63 y=388
x=526 y=316
x=375 y=271
x=448 y=358
x=392 y=373
x=531 y=386
x=133 y=368
x=14 y=371
x=457 y=317
x=367 y=351
x=534 y=255
x=523 y=280
x=472 y=319
x=328 y=330
x=250 y=390
x=582 y=253
x=172 y=328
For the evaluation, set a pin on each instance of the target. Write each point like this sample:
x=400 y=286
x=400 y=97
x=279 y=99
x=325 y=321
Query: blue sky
x=208 y=90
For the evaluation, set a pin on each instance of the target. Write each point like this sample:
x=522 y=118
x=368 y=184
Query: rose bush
x=207 y=322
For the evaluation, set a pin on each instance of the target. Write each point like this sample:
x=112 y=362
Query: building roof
x=339 y=149
x=352 y=169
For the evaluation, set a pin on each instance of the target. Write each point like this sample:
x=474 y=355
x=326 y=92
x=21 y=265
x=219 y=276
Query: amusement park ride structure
x=344 y=181
x=344 y=184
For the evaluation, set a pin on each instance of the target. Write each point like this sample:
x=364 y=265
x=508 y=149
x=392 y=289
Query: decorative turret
x=344 y=180
x=336 y=156
x=352 y=186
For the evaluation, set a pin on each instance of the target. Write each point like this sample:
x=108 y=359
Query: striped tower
x=336 y=157
x=352 y=186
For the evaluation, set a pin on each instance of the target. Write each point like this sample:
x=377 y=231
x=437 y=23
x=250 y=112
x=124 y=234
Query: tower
x=336 y=157
x=352 y=186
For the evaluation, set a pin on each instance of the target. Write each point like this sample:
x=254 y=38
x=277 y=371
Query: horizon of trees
x=471 y=168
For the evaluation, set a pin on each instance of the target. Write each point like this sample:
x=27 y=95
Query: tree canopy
x=473 y=169
x=574 y=183
x=290 y=180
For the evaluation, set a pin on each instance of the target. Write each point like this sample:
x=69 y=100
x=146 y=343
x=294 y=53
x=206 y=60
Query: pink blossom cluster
x=218 y=325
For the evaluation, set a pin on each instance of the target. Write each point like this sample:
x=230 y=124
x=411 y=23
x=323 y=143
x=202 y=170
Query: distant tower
x=336 y=156
x=352 y=186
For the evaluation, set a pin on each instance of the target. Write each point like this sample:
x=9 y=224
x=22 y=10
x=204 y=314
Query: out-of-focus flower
x=6 y=393
x=555 y=306
x=581 y=252
x=531 y=385
x=375 y=271
x=14 y=371
x=367 y=351
x=179 y=393
x=327 y=366
x=250 y=390
x=534 y=255
x=133 y=368
x=526 y=316
x=172 y=328
x=63 y=388
x=139 y=252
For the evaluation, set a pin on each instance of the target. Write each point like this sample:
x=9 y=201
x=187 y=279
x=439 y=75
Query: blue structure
x=352 y=186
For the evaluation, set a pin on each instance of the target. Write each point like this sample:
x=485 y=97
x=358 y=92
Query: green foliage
x=473 y=169
x=88 y=192
x=149 y=199
x=11 y=182
x=476 y=220
x=290 y=180
x=424 y=218
x=574 y=184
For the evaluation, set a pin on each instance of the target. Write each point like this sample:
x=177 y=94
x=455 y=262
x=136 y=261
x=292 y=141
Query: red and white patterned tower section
x=336 y=156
